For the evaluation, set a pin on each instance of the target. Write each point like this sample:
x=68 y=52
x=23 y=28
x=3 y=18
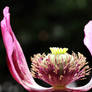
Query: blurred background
x=40 y=24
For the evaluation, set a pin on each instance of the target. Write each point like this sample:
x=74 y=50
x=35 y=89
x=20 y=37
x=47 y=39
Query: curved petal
x=15 y=57
x=88 y=36
x=88 y=43
x=82 y=88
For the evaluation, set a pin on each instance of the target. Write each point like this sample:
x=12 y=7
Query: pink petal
x=88 y=36
x=82 y=88
x=15 y=57
x=88 y=43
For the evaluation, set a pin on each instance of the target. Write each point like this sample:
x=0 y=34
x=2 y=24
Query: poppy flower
x=58 y=68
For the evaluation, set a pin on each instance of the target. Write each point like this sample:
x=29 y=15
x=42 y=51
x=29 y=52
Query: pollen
x=59 y=68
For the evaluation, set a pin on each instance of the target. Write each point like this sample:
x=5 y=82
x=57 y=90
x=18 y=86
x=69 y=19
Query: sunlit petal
x=88 y=36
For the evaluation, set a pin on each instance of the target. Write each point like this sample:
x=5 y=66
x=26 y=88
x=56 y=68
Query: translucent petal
x=88 y=36
x=15 y=57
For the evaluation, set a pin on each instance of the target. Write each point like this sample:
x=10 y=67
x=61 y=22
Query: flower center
x=59 y=68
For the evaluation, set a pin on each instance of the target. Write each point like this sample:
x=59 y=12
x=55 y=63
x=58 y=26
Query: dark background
x=40 y=24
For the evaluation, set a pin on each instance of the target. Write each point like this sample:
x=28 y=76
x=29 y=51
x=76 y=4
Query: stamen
x=59 y=68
